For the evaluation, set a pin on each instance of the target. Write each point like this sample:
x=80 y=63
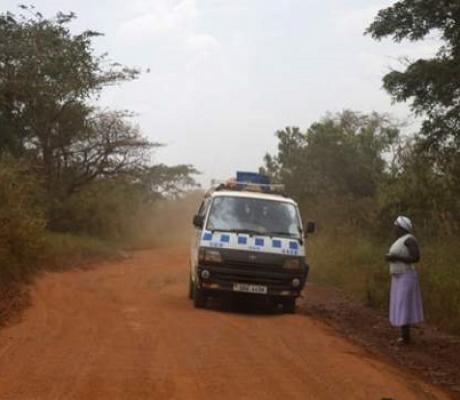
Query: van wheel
x=275 y=303
x=199 y=298
x=190 y=288
x=289 y=306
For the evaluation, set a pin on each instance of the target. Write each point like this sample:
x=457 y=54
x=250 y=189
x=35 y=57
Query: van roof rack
x=241 y=186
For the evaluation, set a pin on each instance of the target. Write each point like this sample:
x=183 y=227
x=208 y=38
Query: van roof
x=253 y=195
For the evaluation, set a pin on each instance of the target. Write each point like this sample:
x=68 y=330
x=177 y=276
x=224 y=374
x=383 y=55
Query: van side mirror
x=311 y=227
x=198 y=221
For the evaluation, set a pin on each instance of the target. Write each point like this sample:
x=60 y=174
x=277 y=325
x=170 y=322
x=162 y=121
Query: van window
x=257 y=216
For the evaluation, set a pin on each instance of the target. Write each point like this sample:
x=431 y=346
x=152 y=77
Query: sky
x=222 y=76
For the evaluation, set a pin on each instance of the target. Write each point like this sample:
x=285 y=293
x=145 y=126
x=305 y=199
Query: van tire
x=289 y=306
x=199 y=298
x=190 y=288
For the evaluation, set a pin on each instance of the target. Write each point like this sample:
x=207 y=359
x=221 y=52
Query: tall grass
x=440 y=278
x=61 y=250
x=355 y=263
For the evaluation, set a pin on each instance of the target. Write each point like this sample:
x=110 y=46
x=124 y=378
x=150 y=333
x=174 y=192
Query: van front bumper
x=277 y=283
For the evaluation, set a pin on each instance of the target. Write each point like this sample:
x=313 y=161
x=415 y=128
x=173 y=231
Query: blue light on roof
x=252 y=177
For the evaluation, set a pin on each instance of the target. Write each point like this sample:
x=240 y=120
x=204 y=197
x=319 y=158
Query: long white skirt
x=406 y=307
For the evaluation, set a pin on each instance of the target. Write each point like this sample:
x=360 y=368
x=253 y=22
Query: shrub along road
x=126 y=330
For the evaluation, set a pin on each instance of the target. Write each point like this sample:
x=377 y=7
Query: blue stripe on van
x=259 y=242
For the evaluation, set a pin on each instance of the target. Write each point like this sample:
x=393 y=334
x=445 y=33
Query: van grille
x=252 y=275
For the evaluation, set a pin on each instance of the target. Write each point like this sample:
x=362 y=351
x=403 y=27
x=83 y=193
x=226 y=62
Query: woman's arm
x=414 y=253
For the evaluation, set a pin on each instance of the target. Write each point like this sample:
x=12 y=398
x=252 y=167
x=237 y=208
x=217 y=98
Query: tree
x=47 y=78
x=162 y=181
x=341 y=155
x=432 y=85
x=337 y=163
x=430 y=174
x=417 y=189
x=96 y=166
x=108 y=146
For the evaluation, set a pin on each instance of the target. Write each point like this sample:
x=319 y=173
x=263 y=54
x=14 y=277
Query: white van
x=248 y=239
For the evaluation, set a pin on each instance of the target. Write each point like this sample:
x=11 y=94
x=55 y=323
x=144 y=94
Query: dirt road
x=126 y=330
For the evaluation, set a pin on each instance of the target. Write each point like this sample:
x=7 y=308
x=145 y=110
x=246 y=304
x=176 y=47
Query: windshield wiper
x=284 y=234
x=248 y=231
x=255 y=232
x=244 y=231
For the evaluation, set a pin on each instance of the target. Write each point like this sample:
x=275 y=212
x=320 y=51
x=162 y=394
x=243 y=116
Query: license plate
x=246 y=288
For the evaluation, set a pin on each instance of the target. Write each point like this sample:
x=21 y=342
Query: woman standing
x=405 y=299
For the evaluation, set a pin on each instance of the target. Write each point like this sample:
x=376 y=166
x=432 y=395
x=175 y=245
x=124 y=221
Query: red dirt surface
x=433 y=354
x=126 y=330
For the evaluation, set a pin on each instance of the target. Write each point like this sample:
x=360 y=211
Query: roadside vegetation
x=76 y=181
x=79 y=182
x=354 y=173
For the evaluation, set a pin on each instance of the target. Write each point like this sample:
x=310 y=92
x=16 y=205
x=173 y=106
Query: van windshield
x=254 y=216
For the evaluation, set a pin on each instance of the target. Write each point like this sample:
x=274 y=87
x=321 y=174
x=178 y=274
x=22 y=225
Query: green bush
x=118 y=211
x=110 y=209
x=25 y=244
x=21 y=221
x=101 y=209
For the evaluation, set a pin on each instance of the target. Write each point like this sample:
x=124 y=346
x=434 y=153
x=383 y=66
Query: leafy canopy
x=50 y=79
x=47 y=74
x=341 y=155
x=432 y=85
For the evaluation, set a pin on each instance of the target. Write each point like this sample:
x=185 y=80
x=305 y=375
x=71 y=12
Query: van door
x=196 y=237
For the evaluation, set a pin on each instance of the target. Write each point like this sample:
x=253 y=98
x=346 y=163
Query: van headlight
x=210 y=256
x=293 y=264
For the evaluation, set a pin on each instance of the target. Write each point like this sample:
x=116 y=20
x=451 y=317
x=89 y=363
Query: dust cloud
x=170 y=223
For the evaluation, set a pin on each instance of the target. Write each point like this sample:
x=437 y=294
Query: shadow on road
x=244 y=305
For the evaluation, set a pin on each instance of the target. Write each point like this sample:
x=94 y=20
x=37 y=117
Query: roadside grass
x=51 y=252
x=440 y=278
x=63 y=250
x=355 y=264
x=55 y=251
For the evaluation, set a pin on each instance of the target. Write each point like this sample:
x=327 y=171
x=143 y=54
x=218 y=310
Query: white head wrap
x=404 y=223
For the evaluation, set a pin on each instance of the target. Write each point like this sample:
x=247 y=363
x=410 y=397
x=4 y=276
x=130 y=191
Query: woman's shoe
x=401 y=341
